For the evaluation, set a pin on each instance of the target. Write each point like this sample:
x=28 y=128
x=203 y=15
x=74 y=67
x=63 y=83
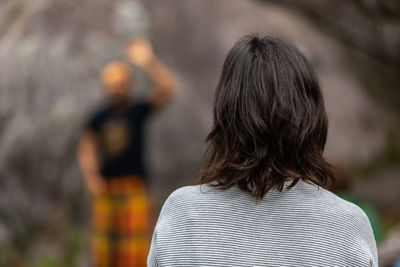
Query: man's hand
x=95 y=185
x=140 y=53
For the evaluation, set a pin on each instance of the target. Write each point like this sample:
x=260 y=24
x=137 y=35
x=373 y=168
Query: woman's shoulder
x=185 y=191
x=191 y=199
x=356 y=224
x=188 y=193
x=328 y=202
x=178 y=204
x=340 y=205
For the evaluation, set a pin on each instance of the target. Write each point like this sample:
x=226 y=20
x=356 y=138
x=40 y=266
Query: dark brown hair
x=270 y=124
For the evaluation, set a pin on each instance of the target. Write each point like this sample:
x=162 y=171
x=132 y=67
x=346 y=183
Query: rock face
x=51 y=52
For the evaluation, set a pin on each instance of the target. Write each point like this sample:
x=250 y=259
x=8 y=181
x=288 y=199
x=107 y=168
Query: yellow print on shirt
x=115 y=137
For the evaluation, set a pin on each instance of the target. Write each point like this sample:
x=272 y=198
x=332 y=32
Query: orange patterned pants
x=121 y=224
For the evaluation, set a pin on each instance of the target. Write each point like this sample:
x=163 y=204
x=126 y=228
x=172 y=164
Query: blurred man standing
x=111 y=158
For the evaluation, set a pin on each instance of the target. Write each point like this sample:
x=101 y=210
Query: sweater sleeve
x=153 y=257
x=371 y=243
x=367 y=238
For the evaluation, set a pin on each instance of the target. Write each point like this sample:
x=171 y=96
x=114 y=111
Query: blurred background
x=51 y=55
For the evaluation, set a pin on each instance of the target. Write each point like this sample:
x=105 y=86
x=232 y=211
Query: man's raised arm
x=140 y=53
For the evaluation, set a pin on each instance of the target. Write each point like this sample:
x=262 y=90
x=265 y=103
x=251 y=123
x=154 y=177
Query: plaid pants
x=121 y=224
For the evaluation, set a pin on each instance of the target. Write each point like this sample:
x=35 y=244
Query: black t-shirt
x=120 y=139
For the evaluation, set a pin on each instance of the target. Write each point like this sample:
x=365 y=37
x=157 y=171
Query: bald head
x=117 y=77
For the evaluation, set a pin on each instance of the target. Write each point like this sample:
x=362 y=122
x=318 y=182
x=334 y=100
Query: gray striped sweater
x=302 y=226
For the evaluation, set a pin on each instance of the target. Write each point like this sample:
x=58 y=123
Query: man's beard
x=118 y=100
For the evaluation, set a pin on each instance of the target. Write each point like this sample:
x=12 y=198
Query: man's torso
x=120 y=139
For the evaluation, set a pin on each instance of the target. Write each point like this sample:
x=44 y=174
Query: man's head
x=117 y=78
x=270 y=123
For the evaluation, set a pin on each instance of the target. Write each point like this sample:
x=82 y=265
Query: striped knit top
x=302 y=226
